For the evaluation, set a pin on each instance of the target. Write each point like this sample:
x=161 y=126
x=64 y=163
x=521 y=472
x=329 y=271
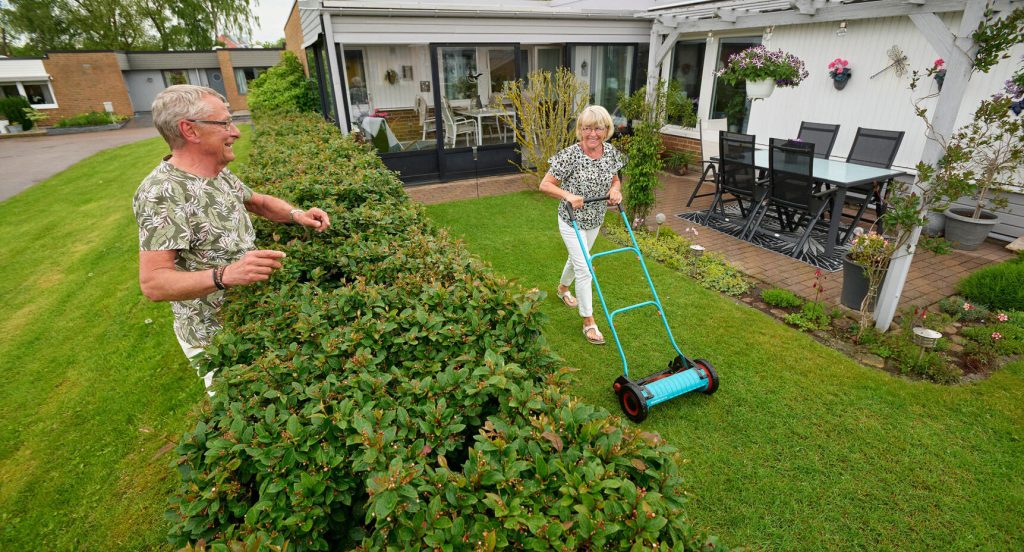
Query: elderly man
x=195 y=237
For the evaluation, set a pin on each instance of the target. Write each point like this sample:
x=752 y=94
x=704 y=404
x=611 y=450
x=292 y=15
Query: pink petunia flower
x=968 y=306
x=1002 y=317
x=996 y=336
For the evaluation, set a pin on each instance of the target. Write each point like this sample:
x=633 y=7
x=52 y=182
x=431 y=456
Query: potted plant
x=938 y=71
x=34 y=115
x=981 y=160
x=839 y=72
x=763 y=70
x=391 y=76
x=864 y=269
x=678 y=161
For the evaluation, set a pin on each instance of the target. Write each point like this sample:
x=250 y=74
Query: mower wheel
x=619 y=383
x=709 y=370
x=633 y=404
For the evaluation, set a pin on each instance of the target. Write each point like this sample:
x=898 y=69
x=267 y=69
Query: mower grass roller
x=682 y=374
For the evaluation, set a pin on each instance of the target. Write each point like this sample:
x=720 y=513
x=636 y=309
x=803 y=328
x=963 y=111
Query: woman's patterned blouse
x=586 y=177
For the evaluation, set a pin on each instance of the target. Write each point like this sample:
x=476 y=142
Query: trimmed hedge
x=386 y=390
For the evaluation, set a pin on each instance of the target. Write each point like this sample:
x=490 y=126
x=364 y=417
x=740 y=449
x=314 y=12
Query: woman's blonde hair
x=177 y=102
x=594 y=116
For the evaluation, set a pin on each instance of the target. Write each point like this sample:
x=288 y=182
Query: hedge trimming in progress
x=386 y=390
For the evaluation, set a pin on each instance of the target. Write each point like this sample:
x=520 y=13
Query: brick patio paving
x=932 y=277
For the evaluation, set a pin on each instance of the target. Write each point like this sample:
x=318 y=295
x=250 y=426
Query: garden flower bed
x=976 y=339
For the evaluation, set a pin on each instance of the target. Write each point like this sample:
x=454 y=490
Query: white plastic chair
x=426 y=122
x=455 y=126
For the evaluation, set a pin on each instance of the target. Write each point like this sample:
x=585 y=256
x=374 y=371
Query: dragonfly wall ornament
x=898 y=65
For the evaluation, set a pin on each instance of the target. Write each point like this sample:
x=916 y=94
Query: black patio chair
x=874 y=148
x=708 y=148
x=823 y=137
x=792 y=189
x=737 y=176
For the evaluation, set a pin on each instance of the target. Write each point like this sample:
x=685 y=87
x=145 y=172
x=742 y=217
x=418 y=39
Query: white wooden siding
x=426 y=30
x=883 y=102
x=309 y=19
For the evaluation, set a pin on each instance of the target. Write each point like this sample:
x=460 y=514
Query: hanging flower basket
x=758 y=64
x=760 y=89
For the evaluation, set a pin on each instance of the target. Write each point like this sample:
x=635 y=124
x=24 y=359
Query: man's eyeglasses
x=595 y=129
x=223 y=124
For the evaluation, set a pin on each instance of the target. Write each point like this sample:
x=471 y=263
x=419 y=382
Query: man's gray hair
x=177 y=102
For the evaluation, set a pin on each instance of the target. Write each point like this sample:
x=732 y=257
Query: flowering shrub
x=838 y=69
x=870 y=249
x=759 y=63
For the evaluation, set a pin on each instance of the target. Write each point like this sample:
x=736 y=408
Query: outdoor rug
x=771 y=237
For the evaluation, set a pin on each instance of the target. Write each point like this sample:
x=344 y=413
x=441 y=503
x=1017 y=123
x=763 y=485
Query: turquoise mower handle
x=572 y=212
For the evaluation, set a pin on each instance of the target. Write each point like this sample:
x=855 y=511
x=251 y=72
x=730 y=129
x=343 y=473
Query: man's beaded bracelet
x=218 y=277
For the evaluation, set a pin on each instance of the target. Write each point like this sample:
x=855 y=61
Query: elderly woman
x=584 y=170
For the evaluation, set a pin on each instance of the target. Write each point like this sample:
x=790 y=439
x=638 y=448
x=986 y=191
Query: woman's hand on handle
x=574 y=200
x=614 y=196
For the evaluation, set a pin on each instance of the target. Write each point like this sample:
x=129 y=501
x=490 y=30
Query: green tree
x=124 y=24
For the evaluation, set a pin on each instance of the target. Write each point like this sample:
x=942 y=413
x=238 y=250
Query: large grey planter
x=967 y=233
x=936 y=224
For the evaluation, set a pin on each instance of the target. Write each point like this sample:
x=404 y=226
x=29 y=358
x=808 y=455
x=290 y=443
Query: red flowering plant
x=838 y=70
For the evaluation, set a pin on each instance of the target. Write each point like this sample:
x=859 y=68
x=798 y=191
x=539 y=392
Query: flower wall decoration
x=839 y=69
x=839 y=72
x=938 y=70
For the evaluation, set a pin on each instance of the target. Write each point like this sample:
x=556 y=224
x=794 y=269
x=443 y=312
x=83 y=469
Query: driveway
x=26 y=161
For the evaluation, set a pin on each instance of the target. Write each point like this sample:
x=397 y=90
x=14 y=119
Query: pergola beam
x=822 y=14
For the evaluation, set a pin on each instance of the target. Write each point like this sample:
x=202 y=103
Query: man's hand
x=254 y=266
x=314 y=218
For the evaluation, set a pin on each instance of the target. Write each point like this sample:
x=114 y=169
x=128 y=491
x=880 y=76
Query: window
x=176 y=76
x=609 y=70
x=358 y=94
x=687 y=68
x=245 y=75
x=38 y=93
x=730 y=101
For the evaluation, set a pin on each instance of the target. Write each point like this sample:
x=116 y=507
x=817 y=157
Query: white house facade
x=404 y=58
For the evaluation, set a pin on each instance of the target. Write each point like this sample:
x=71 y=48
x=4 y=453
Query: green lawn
x=801 y=448
x=95 y=384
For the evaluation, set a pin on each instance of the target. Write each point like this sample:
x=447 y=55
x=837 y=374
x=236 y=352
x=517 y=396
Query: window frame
x=21 y=92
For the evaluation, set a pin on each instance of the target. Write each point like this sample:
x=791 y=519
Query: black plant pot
x=855 y=285
x=839 y=84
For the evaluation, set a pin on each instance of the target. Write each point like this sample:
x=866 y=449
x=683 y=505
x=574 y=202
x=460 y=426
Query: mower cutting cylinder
x=677 y=384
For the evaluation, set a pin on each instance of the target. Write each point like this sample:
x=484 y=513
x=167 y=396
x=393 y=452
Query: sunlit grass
x=95 y=384
x=801 y=448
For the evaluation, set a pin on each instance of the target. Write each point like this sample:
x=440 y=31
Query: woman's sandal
x=567 y=298
x=598 y=339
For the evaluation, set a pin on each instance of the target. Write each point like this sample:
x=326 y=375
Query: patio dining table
x=481 y=113
x=843 y=176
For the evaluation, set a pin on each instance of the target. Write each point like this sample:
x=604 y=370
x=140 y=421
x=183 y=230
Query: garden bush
x=283 y=88
x=1000 y=287
x=92 y=118
x=13 y=108
x=778 y=297
x=386 y=388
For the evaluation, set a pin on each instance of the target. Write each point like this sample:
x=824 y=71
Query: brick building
x=63 y=84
